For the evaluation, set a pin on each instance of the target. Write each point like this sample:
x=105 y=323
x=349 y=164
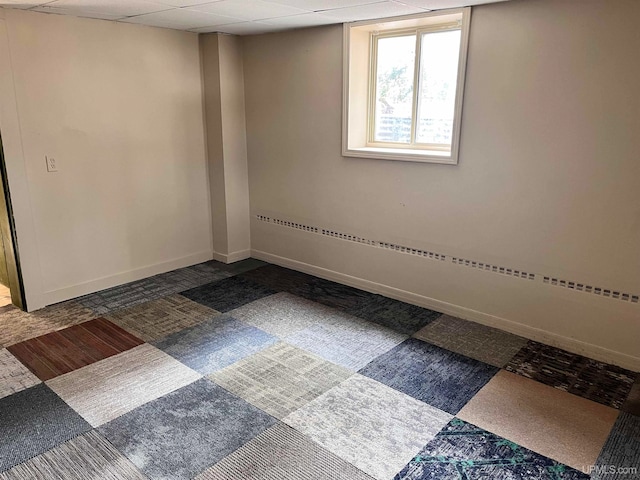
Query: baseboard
x=531 y=333
x=74 y=291
x=232 y=257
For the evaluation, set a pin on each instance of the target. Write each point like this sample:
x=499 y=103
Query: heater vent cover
x=464 y=262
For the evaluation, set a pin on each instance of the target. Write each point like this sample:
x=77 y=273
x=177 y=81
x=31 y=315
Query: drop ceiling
x=239 y=17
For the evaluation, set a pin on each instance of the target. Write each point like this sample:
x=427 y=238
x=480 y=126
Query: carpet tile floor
x=463 y=451
x=483 y=343
x=438 y=377
x=14 y=376
x=565 y=427
x=280 y=379
x=602 y=383
x=182 y=433
x=69 y=349
x=215 y=344
x=255 y=371
x=159 y=318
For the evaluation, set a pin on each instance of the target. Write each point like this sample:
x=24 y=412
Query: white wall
x=547 y=180
x=120 y=108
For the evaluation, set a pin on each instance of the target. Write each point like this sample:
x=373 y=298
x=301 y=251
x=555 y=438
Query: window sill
x=401 y=154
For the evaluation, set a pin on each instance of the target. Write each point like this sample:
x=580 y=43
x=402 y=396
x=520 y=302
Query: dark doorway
x=10 y=275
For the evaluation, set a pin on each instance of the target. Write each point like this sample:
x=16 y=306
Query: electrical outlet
x=52 y=165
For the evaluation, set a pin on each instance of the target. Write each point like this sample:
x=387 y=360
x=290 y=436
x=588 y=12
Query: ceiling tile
x=121 y=8
x=301 y=21
x=22 y=3
x=317 y=5
x=441 y=4
x=373 y=10
x=184 y=3
x=76 y=13
x=181 y=19
x=248 y=9
x=242 y=28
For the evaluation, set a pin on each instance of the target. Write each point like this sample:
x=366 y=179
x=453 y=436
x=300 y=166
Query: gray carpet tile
x=620 y=456
x=443 y=379
x=14 y=376
x=159 y=318
x=346 y=340
x=215 y=344
x=87 y=457
x=128 y=295
x=190 y=277
x=573 y=373
x=116 y=385
x=282 y=314
x=282 y=453
x=489 y=345
x=17 y=326
x=278 y=278
x=140 y=291
x=399 y=316
x=186 y=431
x=280 y=379
x=632 y=403
x=33 y=421
x=333 y=294
x=228 y=294
x=370 y=425
x=463 y=451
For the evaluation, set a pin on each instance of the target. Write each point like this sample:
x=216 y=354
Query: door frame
x=9 y=238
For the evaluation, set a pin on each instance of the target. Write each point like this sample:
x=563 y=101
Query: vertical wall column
x=226 y=145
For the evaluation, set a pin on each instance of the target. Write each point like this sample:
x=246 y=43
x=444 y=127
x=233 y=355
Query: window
x=403 y=87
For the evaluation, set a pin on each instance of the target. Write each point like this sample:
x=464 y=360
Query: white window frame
x=359 y=56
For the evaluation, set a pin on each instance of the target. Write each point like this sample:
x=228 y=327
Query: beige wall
x=227 y=145
x=120 y=108
x=547 y=180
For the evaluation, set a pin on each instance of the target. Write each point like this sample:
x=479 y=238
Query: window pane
x=437 y=94
x=394 y=89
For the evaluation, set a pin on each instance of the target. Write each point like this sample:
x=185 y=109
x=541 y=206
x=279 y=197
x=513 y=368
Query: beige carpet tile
x=14 y=376
x=17 y=326
x=282 y=453
x=159 y=318
x=280 y=379
x=553 y=423
x=370 y=425
x=489 y=345
x=87 y=457
x=107 y=389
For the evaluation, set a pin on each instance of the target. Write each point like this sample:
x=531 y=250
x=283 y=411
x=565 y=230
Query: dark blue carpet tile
x=620 y=456
x=438 y=377
x=333 y=294
x=186 y=431
x=462 y=451
x=215 y=344
x=33 y=421
x=632 y=404
x=228 y=294
x=277 y=278
x=399 y=316
x=236 y=268
x=603 y=383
